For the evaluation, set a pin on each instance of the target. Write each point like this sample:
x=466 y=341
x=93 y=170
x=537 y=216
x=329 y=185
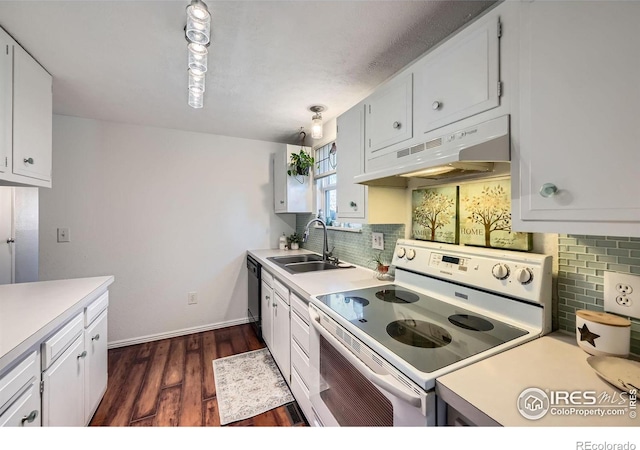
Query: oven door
x=346 y=391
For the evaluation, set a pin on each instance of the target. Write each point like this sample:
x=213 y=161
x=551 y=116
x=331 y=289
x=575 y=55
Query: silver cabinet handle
x=267 y=297
x=548 y=190
x=28 y=160
x=397 y=125
x=275 y=305
x=30 y=418
x=82 y=355
x=96 y=337
x=353 y=204
x=10 y=241
x=436 y=105
x=282 y=202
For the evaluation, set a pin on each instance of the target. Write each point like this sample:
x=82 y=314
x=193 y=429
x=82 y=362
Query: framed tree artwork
x=434 y=215
x=485 y=217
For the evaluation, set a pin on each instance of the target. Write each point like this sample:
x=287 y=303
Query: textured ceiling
x=125 y=61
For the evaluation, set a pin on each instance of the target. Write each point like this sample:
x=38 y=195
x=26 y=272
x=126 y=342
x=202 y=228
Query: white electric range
x=376 y=352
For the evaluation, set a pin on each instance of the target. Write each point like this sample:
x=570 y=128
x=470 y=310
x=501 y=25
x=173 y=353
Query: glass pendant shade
x=196 y=100
x=198 y=58
x=316 y=126
x=198 y=23
x=196 y=82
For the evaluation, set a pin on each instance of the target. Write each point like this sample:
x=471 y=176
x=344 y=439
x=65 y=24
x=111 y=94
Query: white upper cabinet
x=350 y=156
x=26 y=117
x=460 y=78
x=389 y=115
x=577 y=162
x=291 y=194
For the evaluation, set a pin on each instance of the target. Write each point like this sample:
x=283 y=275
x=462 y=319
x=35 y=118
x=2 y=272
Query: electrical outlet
x=63 y=235
x=377 y=241
x=622 y=294
x=192 y=298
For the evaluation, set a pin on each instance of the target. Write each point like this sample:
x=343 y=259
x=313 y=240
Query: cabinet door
x=6 y=99
x=95 y=366
x=25 y=411
x=282 y=337
x=32 y=117
x=389 y=118
x=280 y=181
x=350 y=157
x=580 y=97
x=458 y=79
x=63 y=394
x=266 y=314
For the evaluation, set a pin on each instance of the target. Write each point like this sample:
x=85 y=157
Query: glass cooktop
x=428 y=334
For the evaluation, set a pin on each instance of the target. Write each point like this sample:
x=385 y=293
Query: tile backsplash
x=352 y=247
x=582 y=261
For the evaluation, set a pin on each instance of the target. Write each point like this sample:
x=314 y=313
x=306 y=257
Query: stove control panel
x=448 y=262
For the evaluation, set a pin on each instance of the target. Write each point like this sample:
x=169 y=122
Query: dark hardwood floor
x=171 y=382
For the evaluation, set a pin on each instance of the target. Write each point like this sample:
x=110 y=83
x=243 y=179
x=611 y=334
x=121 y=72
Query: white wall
x=164 y=211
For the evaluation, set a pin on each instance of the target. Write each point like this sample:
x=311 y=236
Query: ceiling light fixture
x=316 y=121
x=197 y=32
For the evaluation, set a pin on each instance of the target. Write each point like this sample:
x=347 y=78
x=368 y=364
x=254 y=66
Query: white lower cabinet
x=300 y=367
x=95 y=365
x=281 y=331
x=74 y=367
x=20 y=394
x=63 y=388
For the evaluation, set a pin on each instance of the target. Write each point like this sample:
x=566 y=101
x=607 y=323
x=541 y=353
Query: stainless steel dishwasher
x=253 y=292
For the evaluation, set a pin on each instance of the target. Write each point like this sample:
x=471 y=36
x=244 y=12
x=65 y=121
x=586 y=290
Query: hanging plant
x=300 y=164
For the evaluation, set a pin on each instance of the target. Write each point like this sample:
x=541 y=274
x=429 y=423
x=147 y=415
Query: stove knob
x=411 y=253
x=401 y=252
x=501 y=271
x=524 y=276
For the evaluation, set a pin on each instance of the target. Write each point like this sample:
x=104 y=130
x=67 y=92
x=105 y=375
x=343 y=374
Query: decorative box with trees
x=434 y=214
x=485 y=216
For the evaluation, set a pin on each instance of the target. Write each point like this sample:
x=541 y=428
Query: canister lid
x=603 y=318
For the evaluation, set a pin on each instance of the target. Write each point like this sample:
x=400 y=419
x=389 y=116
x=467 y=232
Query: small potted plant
x=294 y=241
x=381 y=267
x=300 y=164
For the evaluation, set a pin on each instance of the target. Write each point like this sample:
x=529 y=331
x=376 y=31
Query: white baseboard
x=176 y=333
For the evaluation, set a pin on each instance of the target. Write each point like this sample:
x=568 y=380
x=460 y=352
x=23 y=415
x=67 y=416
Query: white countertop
x=490 y=388
x=30 y=311
x=320 y=282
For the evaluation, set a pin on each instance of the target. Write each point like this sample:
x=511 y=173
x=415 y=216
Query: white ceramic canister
x=603 y=334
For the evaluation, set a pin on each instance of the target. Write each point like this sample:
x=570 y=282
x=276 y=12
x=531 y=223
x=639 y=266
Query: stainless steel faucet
x=326 y=254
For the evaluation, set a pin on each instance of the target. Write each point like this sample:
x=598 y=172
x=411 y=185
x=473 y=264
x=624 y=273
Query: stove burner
x=418 y=333
x=393 y=295
x=362 y=301
x=468 y=322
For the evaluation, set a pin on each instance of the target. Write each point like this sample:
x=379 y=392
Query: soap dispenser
x=282 y=242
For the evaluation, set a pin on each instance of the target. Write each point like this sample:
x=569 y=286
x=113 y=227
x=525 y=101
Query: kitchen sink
x=282 y=260
x=305 y=263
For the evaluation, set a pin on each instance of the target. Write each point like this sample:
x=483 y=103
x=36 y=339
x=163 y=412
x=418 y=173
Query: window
x=326 y=193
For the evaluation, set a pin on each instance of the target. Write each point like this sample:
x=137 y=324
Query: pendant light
x=198 y=34
x=316 y=122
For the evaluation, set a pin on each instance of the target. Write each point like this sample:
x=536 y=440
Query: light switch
x=63 y=234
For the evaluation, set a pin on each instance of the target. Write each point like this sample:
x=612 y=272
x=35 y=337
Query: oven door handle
x=386 y=382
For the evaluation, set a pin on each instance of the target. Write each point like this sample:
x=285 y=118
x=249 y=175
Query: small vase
x=294 y=246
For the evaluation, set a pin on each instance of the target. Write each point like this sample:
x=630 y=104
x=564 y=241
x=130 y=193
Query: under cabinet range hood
x=462 y=152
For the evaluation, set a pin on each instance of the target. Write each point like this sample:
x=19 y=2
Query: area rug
x=248 y=384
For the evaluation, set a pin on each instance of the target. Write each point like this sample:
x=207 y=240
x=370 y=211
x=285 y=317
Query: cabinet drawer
x=25 y=411
x=56 y=344
x=266 y=277
x=281 y=290
x=13 y=382
x=300 y=306
x=300 y=362
x=301 y=394
x=300 y=332
x=95 y=308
